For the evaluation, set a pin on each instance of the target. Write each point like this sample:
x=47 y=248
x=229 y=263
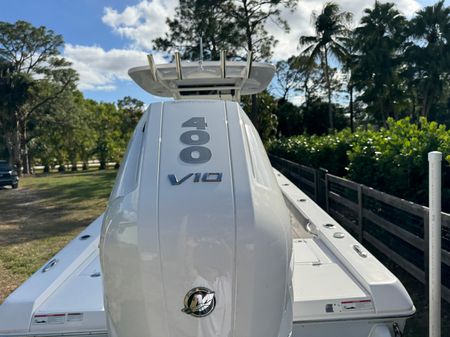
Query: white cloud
x=100 y=69
x=142 y=22
x=297 y=100
x=145 y=21
x=139 y=24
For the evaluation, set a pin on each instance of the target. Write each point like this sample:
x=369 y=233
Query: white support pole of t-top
x=434 y=263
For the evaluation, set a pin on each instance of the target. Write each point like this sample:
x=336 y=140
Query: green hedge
x=328 y=151
x=392 y=159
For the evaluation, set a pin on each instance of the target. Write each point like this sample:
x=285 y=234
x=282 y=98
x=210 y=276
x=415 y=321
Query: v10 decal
x=208 y=177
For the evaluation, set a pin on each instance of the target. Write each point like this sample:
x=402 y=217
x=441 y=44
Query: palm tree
x=378 y=43
x=332 y=31
x=430 y=55
x=349 y=65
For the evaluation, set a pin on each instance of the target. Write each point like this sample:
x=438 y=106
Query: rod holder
x=178 y=65
x=151 y=64
x=249 y=63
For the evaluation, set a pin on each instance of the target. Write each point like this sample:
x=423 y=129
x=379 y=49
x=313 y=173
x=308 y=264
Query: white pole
x=434 y=291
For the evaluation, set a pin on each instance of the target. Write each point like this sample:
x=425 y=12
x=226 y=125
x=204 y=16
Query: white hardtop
x=212 y=79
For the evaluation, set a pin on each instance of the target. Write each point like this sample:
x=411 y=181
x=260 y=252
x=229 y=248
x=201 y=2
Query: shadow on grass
x=91 y=186
x=52 y=205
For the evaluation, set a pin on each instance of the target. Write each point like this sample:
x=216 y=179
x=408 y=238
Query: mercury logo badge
x=199 y=302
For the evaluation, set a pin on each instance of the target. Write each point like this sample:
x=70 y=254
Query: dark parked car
x=8 y=175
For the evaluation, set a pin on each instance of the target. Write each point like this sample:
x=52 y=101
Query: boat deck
x=335 y=277
x=332 y=282
x=323 y=288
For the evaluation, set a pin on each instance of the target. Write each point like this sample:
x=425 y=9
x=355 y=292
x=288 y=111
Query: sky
x=103 y=39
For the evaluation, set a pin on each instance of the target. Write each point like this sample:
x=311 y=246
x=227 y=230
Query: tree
x=109 y=144
x=130 y=110
x=332 y=31
x=265 y=119
x=378 y=43
x=349 y=64
x=251 y=17
x=429 y=56
x=314 y=117
x=236 y=26
x=64 y=132
x=13 y=92
x=195 y=19
x=33 y=57
x=289 y=78
x=290 y=121
x=297 y=75
x=311 y=79
x=79 y=138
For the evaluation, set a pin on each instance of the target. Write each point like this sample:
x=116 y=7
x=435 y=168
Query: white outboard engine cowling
x=196 y=239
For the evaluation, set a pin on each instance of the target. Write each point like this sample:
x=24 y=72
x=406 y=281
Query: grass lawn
x=42 y=216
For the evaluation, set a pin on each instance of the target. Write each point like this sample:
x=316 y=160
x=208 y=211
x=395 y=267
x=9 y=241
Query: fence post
x=360 y=214
x=316 y=186
x=434 y=159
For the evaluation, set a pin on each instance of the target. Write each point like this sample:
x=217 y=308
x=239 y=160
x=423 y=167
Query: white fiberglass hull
x=336 y=291
x=63 y=297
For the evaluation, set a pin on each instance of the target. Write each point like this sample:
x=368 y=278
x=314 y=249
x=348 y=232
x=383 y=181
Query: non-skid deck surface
x=323 y=288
